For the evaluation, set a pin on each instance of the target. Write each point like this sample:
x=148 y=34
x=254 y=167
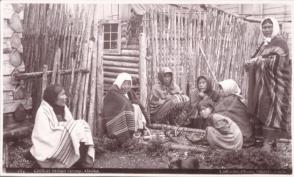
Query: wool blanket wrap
x=118 y=113
x=269 y=88
x=59 y=141
x=231 y=106
x=224 y=132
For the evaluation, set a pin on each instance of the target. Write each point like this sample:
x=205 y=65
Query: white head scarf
x=276 y=29
x=230 y=87
x=121 y=78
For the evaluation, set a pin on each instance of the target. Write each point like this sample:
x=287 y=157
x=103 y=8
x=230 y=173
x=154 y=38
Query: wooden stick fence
x=65 y=38
x=194 y=43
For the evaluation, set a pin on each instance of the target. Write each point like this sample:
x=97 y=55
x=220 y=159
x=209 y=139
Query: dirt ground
x=135 y=155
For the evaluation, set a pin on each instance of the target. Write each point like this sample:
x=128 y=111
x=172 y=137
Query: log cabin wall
x=15 y=96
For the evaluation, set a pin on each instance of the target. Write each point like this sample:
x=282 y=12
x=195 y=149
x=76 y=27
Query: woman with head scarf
x=59 y=141
x=168 y=104
x=270 y=84
x=122 y=111
x=233 y=105
x=203 y=90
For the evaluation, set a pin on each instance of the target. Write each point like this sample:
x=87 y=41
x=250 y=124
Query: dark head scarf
x=50 y=96
x=209 y=89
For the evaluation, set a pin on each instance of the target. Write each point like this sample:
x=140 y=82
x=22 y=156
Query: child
x=204 y=90
x=221 y=130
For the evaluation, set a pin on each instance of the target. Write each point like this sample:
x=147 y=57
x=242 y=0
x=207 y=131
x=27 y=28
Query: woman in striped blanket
x=168 y=104
x=59 y=141
x=270 y=84
x=122 y=112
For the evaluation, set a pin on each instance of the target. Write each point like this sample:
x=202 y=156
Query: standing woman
x=121 y=110
x=270 y=84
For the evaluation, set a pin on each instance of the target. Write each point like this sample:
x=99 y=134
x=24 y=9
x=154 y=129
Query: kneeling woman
x=121 y=110
x=59 y=141
x=168 y=103
x=221 y=130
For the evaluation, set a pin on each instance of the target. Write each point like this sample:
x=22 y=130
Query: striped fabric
x=67 y=151
x=271 y=90
x=172 y=106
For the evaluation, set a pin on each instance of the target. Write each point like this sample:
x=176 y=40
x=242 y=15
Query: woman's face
x=167 y=78
x=126 y=86
x=205 y=112
x=267 y=29
x=61 y=99
x=202 y=84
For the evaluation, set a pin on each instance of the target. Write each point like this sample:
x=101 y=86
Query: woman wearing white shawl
x=122 y=111
x=59 y=141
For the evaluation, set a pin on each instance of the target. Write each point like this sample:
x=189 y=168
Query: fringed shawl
x=270 y=84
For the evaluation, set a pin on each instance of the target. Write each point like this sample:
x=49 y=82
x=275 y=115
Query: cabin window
x=112 y=38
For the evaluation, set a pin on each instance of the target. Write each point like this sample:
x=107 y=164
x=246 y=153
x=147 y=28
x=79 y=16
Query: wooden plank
x=8 y=83
x=130 y=52
x=114 y=74
x=120 y=64
x=121 y=58
x=7 y=67
x=119 y=69
x=7 y=10
x=7 y=97
x=11 y=107
x=7 y=31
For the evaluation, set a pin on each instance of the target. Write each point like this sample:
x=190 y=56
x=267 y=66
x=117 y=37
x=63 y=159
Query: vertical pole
x=143 y=69
x=100 y=80
x=93 y=83
x=44 y=80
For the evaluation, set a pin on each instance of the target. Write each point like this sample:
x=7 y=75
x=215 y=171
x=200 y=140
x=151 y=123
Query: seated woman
x=168 y=104
x=233 y=105
x=59 y=141
x=121 y=112
x=221 y=130
x=202 y=91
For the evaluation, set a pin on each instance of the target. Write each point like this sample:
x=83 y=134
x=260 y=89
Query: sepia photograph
x=146 y=88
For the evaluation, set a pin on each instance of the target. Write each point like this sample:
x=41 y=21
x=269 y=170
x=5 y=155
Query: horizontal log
x=114 y=75
x=22 y=129
x=281 y=140
x=11 y=107
x=39 y=74
x=120 y=58
x=7 y=31
x=120 y=64
x=7 y=97
x=130 y=52
x=171 y=127
x=9 y=83
x=119 y=69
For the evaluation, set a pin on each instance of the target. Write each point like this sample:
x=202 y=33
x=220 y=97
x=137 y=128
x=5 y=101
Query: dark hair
x=51 y=93
x=268 y=20
x=206 y=103
x=50 y=96
x=208 y=84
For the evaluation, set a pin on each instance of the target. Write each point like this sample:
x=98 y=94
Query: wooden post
x=55 y=65
x=143 y=70
x=93 y=80
x=44 y=80
x=100 y=84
